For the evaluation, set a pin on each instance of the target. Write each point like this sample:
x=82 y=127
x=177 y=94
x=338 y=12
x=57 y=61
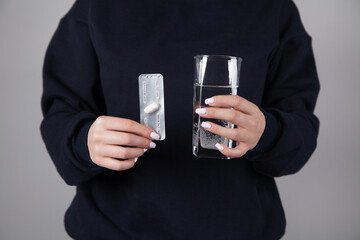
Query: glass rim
x=223 y=57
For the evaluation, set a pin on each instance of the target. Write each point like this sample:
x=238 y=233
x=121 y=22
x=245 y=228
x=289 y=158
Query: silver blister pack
x=151 y=98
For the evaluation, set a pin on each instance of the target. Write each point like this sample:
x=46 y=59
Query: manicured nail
x=206 y=125
x=209 y=100
x=219 y=147
x=200 y=110
x=145 y=149
x=152 y=145
x=155 y=136
x=135 y=160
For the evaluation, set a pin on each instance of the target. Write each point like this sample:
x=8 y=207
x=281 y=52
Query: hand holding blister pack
x=151 y=98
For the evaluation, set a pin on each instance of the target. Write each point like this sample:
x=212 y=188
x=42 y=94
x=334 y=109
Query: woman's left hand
x=248 y=118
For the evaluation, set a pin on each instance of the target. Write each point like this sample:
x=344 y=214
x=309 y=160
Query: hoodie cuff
x=80 y=147
x=268 y=139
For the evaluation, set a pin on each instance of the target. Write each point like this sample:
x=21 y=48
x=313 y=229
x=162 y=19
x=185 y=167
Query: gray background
x=321 y=202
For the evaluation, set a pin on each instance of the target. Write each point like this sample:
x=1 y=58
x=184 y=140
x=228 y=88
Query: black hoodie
x=91 y=69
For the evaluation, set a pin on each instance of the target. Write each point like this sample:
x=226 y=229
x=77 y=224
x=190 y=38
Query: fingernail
x=200 y=110
x=152 y=145
x=155 y=136
x=219 y=147
x=135 y=160
x=209 y=100
x=206 y=125
x=145 y=149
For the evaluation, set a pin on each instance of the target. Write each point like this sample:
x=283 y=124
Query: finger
x=237 y=152
x=126 y=139
x=232 y=101
x=120 y=152
x=231 y=115
x=236 y=134
x=130 y=126
x=117 y=165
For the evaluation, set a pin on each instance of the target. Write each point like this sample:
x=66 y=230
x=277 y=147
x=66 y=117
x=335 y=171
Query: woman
x=91 y=114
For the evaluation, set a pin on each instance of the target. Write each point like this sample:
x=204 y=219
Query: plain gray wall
x=321 y=202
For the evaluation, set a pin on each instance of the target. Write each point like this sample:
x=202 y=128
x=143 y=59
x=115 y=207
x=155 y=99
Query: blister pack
x=151 y=98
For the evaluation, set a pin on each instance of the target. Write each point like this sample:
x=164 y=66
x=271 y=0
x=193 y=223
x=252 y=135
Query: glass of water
x=214 y=75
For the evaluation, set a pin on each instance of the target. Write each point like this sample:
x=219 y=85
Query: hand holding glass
x=225 y=125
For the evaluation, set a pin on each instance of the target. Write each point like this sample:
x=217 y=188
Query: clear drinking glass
x=214 y=75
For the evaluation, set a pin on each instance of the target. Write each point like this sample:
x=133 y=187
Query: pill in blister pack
x=151 y=98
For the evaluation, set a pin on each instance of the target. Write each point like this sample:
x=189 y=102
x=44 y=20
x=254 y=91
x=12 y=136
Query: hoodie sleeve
x=72 y=96
x=291 y=92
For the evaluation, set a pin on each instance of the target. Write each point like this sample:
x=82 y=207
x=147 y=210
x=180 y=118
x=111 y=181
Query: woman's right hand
x=116 y=143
